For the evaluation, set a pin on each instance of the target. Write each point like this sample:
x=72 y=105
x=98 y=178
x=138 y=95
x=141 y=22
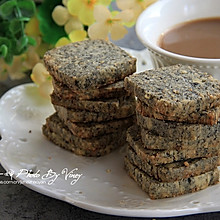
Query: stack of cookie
x=174 y=148
x=93 y=109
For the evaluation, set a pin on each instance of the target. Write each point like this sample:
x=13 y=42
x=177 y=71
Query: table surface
x=19 y=202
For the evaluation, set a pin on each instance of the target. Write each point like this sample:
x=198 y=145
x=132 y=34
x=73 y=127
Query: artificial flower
x=137 y=6
x=83 y=9
x=31 y=58
x=74 y=36
x=107 y=22
x=72 y=24
x=42 y=78
x=62 y=41
x=77 y=35
x=62 y=17
x=64 y=2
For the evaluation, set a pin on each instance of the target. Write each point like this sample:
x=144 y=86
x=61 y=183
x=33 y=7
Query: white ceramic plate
x=103 y=187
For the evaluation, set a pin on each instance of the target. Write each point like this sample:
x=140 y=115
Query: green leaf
x=7 y=8
x=4 y=28
x=31 y=41
x=27 y=7
x=51 y=32
x=13 y=15
x=3 y=50
x=15 y=27
x=22 y=44
x=8 y=55
x=24 y=19
x=9 y=58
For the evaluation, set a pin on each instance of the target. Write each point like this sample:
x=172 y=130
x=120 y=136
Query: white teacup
x=165 y=14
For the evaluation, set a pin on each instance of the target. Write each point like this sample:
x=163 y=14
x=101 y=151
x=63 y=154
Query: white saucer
x=103 y=185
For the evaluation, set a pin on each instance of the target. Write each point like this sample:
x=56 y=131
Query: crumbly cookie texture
x=102 y=105
x=89 y=64
x=173 y=171
x=156 y=157
x=209 y=117
x=175 y=91
x=155 y=142
x=94 y=129
x=124 y=111
x=113 y=90
x=159 y=190
x=59 y=134
x=178 y=130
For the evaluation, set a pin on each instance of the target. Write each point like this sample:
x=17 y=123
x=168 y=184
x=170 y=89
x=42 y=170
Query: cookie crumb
x=186 y=163
x=108 y=170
